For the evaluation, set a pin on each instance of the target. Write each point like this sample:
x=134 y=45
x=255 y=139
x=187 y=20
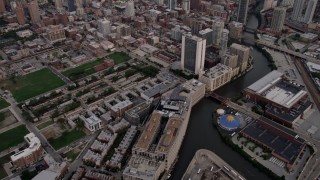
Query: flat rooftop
x=169 y=135
x=279 y=139
x=149 y=132
x=278 y=90
x=141 y=167
x=217 y=71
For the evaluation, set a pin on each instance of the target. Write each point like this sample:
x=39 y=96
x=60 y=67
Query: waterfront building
x=243 y=53
x=243 y=11
x=284 y=144
x=30 y=155
x=155 y=150
x=279 y=15
x=34 y=11
x=193 y=53
x=216 y=76
x=285 y=102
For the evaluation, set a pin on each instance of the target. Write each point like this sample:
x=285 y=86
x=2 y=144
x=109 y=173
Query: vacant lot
x=32 y=84
x=6 y=119
x=3 y=104
x=66 y=138
x=12 y=137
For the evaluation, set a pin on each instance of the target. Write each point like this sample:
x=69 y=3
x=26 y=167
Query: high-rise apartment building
x=193 y=53
x=235 y=30
x=303 y=11
x=230 y=60
x=186 y=6
x=243 y=53
x=104 y=26
x=71 y=5
x=217 y=28
x=20 y=13
x=34 y=11
x=2 y=6
x=243 y=11
x=195 y=4
x=279 y=15
x=172 y=4
x=207 y=35
x=224 y=42
x=130 y=11
x=58 y=4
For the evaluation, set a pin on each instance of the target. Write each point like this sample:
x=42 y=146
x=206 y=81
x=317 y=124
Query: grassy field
x=119 y=57
x=45 y=124
x=3 y=103
x=66 y=138
x=88 y=68
x=32 y=84
x=72 y=155
x=12 y=137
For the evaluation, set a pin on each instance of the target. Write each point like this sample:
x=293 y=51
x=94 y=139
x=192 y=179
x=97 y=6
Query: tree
x=80 y=124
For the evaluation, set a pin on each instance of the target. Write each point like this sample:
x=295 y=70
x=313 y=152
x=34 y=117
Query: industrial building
x=283 y=143
x=286 y=101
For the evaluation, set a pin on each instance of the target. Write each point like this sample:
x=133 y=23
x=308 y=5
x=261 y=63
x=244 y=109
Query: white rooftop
x=265 y=82
x=34 y=144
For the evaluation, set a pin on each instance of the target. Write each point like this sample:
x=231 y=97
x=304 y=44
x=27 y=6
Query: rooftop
x=217 y=71
x=281 y=140
x=149 y=132
x=34 y=144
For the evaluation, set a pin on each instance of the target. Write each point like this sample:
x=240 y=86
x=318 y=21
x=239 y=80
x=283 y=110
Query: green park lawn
x=12 y=137
x=66 y=138
x=119 y=57
x=32 y=84
x=3 y=103
x=45 y=124
x=88 y=68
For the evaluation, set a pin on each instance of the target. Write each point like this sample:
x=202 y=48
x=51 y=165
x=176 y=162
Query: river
x=202 y=134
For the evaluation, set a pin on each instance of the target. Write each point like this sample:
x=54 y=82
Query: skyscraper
x=193 y=53
x=310 y=11
x=195 y=4
x=279 y=15
x=34 y=11
x=20 y=13
x=217 y=28
x=172 y=4
x=243 y=53
x=58 y=4
x=71 y=5
x=243 y=11
x=186 y=6
x=104 y=26
x=302 y=11
x=224 y=42
x=130 y=11
x=2 y=6
x=207 y=35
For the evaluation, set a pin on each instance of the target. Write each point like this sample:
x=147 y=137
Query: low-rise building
x=92 y=123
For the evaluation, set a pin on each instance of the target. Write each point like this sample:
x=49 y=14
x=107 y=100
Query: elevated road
x=288 y=51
